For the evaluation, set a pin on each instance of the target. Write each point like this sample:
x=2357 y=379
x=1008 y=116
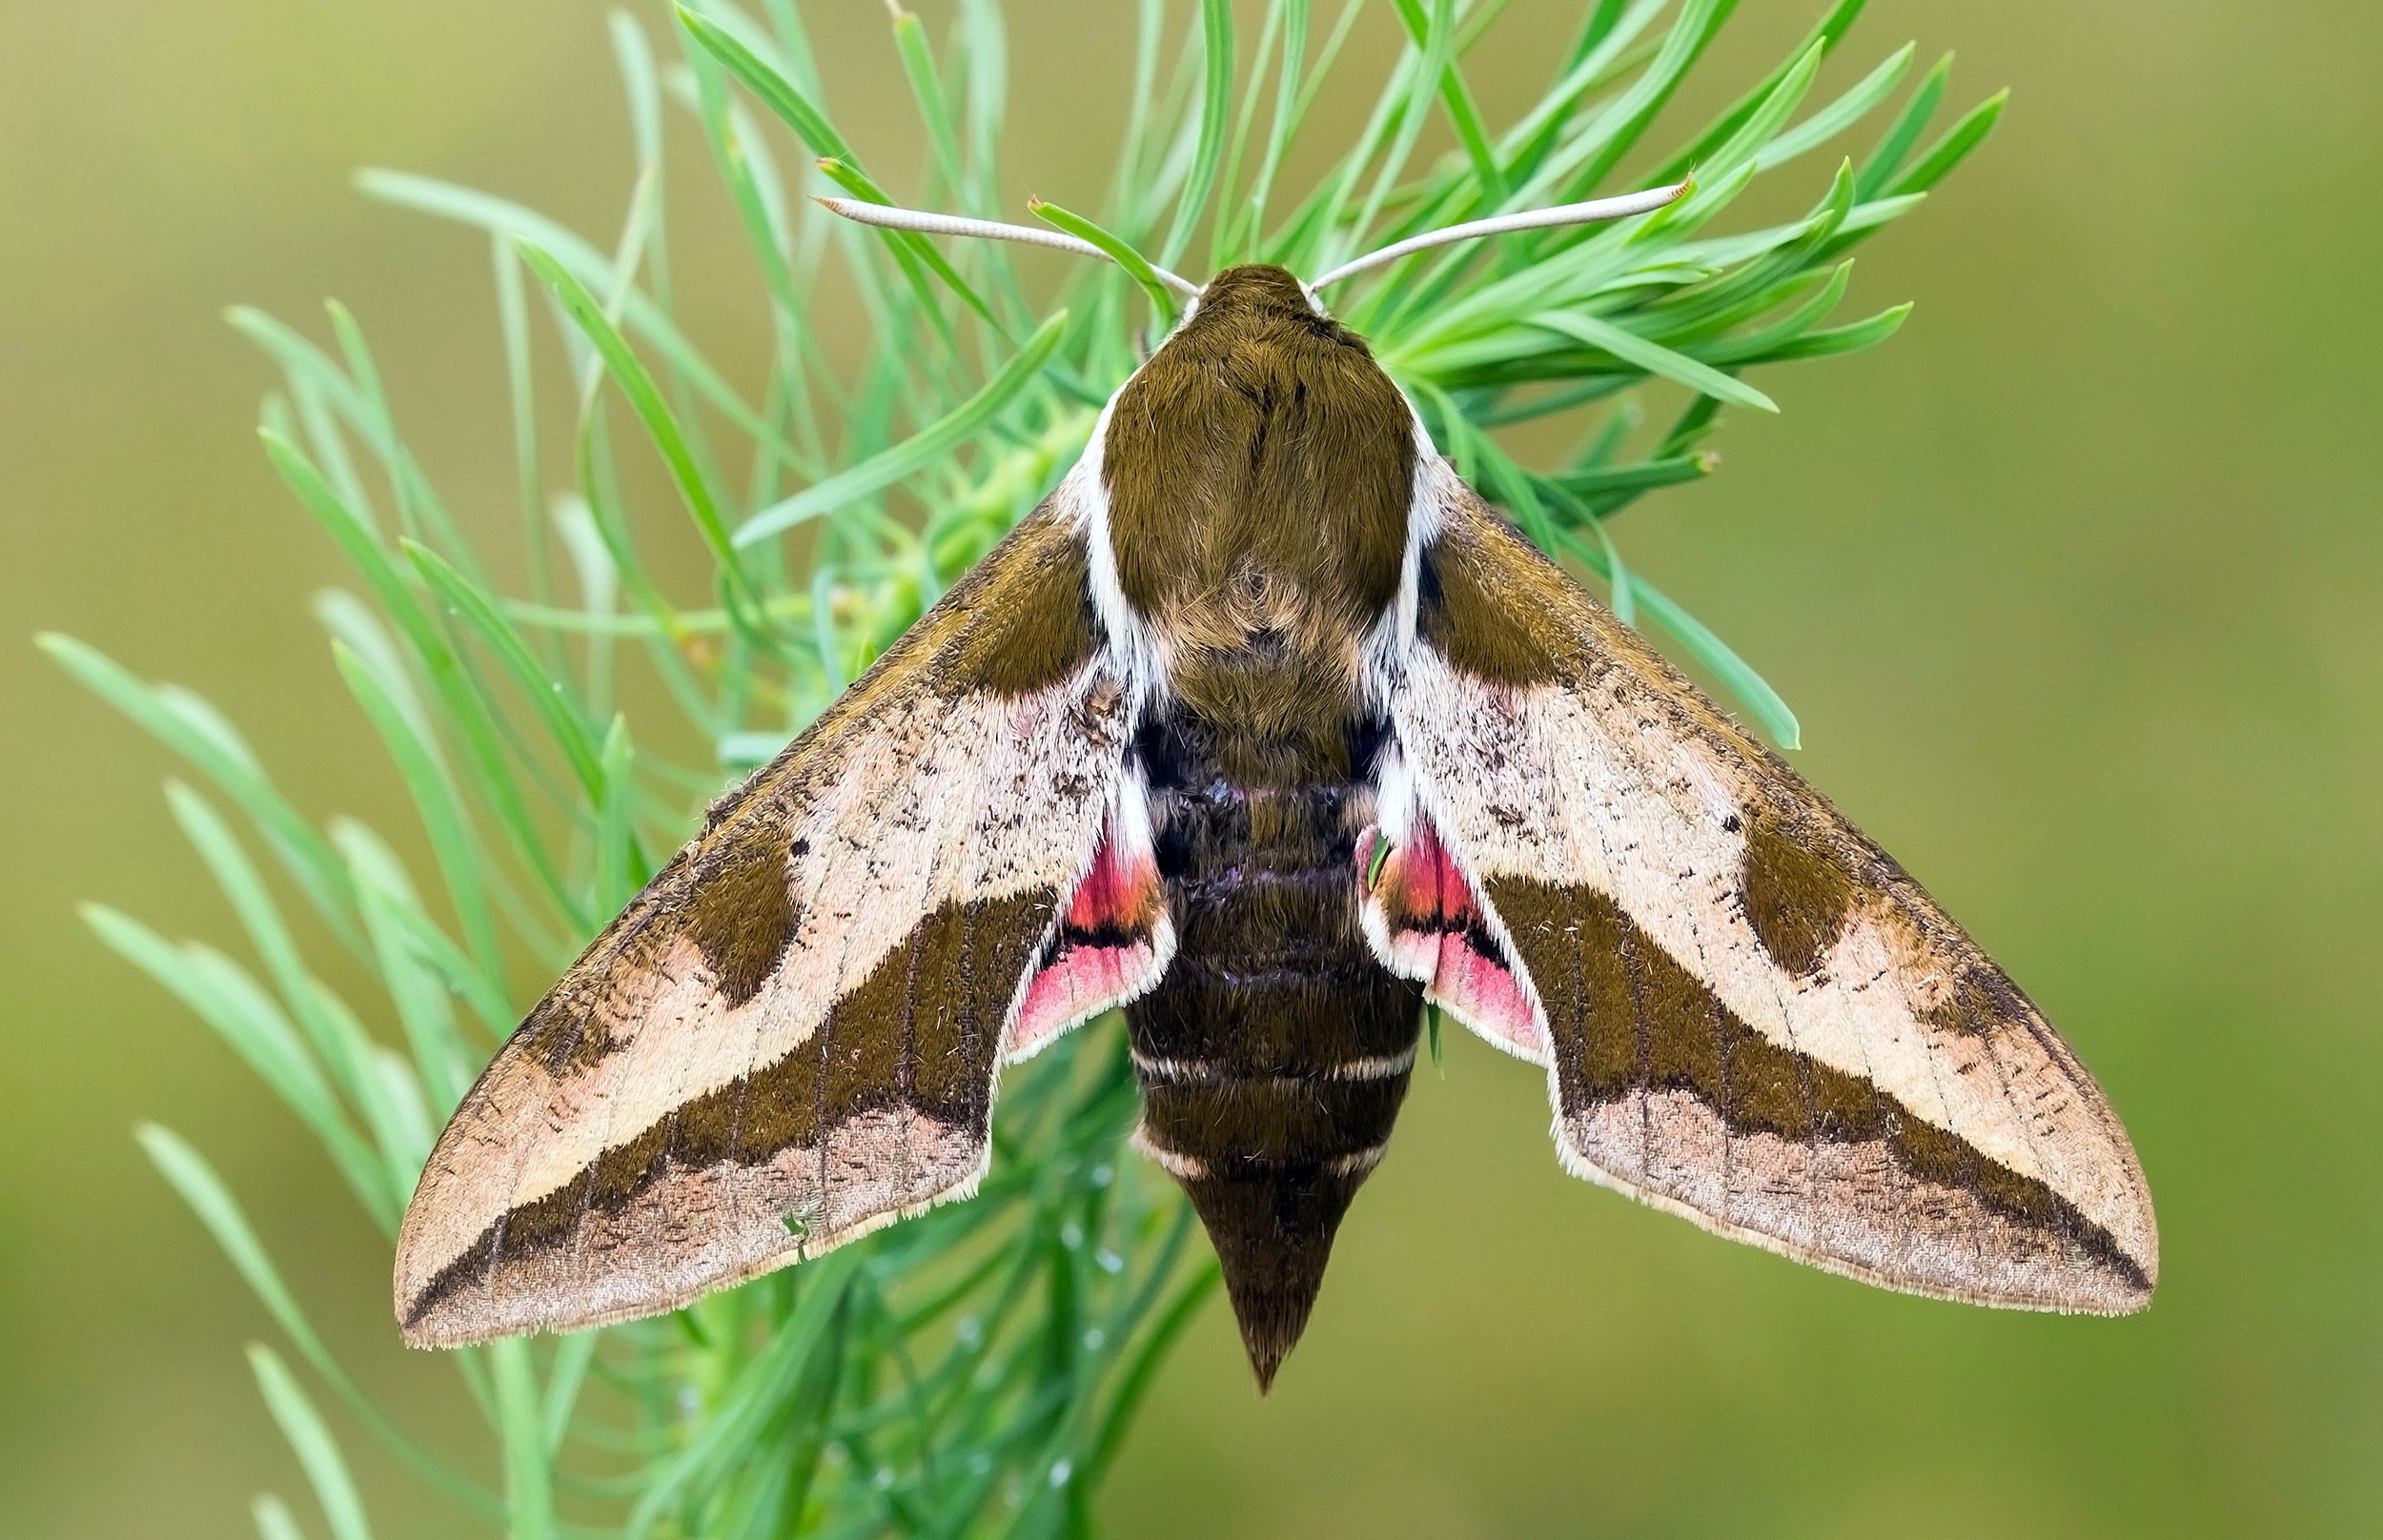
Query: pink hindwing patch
x=1112 y=941
x=1427 y=923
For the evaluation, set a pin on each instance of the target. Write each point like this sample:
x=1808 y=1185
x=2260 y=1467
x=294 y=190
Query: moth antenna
x=1569 y=214
x=885 y=217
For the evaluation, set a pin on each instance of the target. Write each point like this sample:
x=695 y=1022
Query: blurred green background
x=2077 y=586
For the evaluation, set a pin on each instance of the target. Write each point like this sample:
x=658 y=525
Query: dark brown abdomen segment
x=1274 y=1052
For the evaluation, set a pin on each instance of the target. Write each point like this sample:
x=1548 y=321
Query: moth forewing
x=1756 y=1018
x=798 y=1023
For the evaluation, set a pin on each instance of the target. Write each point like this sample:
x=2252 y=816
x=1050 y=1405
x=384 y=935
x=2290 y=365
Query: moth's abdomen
x=1275 y=1053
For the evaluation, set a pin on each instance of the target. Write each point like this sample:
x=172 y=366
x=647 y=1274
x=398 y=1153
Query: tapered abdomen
x=1275 y=1051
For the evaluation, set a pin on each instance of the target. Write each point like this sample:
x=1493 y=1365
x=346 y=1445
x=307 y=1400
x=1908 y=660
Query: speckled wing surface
x=1750 y=1015
x=791 y=1036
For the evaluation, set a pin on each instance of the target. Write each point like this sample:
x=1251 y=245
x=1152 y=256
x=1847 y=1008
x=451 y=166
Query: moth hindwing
x=1264 y=727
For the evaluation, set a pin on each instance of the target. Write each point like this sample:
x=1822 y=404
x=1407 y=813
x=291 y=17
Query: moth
x=1266 y=729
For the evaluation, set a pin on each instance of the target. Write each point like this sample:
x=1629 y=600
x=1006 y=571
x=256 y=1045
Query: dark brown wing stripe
x=1797 y=898
x=1460 y=613
x=1664 y=1088
x=1053 y=587
x=952 y=982
x=1981 y=998
x=741 y=910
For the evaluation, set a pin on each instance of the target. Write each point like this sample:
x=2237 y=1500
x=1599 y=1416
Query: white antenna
x=887 y=218
x=1570 y=213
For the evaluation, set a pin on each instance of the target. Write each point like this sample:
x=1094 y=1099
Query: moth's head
x=1257 y=287
x=1263 y=310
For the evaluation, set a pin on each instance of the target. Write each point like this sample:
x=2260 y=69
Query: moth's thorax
x=1258 y=471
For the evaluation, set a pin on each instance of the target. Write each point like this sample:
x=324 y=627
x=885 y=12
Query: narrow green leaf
x=1462 y=114
x=551 y=698
x=1862 y=218
x=747 y=1403
x=913 y=251
x=1850 y=339
x=1887 y=158
x=1321 y=234
x=1824 y=37
x=1762 y=125
x=417 y=503
x=824 y=632
x=926 y=90
x=484 y=992
x=1713 y=341
x=272 y=1519
x=351 y=622
x=514 y=224
x=443 y=817
x=238 y=1009
x=1733 y=672
x=1646 y=474
x=318 y=1454
x=1420 y=74
x=1227 y=224
x=224 y=759
x=639 y=81
x=1592 y=154
x=1604 y=52
x=1694 y=424
x=1840 y=114
x=574 y=1354
x=409 y=1130
x=522 y=396
x=1134 y=1383
x=1594 y=28
x=984 y=50
x=343 y=1051
x=1619 y=586
x=644 y=397
x=1954 y=147
x=197 y=1184
x=492 y=776
x=777 y=93
x=760 y=204
x=323 y=394
x=923 y=448
x=190 y=1175
x=1758 y=286
x=529 y=1487
x=617 y=858
x=393 y=918
x=1216 y=121
x=1283 y=123
x=1654 y=357
x=1137 y=265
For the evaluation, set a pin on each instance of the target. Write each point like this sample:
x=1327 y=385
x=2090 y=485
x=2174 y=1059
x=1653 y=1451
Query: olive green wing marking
x=1750 y=1014
x=791 y=1035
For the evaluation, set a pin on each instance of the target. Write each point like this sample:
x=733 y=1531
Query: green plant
x=976 y=1368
